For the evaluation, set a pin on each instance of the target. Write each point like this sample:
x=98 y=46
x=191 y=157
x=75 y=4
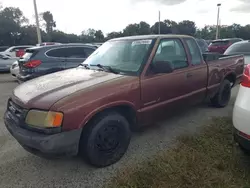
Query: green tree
x=144 y=28
x=10 y=21
x=99 y=36
x=172 y=25
x=186 y=27
x=164 y=29
x=114 y=35
x=49 y=23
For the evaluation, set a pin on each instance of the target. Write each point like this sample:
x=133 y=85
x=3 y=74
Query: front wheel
x=105 y=140
x=222 y=98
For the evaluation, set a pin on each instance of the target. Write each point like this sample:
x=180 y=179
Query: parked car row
x=11 y=52
x=46 y=58
x=124 y=84
x=221 y=45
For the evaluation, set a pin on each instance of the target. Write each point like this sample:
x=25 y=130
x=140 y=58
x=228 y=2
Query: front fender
x=102 y=108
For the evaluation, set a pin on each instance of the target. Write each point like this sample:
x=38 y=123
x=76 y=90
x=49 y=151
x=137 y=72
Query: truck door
x=162 y=92
x=198 y=71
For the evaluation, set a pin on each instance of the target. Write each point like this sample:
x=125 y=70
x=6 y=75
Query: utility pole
x=159 y=25
x=218 y=20
x=39 y=38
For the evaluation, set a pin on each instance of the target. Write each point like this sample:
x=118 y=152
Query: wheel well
x=127 y=111
x=232 y=78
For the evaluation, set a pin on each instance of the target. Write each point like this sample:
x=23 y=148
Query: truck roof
x=137 y=37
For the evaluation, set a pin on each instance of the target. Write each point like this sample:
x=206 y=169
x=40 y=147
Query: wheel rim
x=108 y=139
x=226 y=94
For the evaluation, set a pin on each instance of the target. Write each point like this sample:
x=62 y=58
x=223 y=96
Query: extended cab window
x=172 y=51
x=194 y=51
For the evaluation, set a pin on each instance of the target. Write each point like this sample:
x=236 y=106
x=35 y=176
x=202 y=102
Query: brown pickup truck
x=123 y=85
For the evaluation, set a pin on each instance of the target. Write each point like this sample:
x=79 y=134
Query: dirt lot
x=21 y=169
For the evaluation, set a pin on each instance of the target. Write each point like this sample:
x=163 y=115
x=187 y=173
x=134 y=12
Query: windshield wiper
x=86 y=66
x=106 y=68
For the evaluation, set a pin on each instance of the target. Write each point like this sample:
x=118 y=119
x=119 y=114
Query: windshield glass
x=203 y=45
x=247 y=59
x=125 y=56
x=220 y=43
x=238 y=48
x=28 y=54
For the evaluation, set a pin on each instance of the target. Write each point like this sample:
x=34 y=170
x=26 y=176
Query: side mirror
x=162 y=67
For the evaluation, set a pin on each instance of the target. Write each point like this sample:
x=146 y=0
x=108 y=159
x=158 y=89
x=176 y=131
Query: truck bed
x=212 y=57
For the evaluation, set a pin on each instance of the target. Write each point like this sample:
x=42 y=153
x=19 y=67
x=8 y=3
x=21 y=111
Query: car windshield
x=239 y=48
x=122 y=56
x=220 y=43
x=247 y=59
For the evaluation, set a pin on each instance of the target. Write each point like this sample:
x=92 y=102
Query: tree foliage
x=16 y=30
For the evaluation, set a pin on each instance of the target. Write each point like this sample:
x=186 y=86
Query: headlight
x=44 y=119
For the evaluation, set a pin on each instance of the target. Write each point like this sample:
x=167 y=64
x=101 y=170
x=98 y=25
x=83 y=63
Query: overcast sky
x=74 y=16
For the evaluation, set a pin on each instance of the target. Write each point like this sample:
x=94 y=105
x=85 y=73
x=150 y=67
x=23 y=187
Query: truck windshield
x=123 y=56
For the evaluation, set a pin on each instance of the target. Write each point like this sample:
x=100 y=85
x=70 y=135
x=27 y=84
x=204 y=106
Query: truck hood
x=44 y=91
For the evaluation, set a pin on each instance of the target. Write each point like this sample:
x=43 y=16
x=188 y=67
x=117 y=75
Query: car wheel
x=222 y=98
x=244 y=150
x=105 y=140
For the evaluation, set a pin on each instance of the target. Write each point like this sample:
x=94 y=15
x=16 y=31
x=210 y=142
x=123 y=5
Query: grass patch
x=209 y=159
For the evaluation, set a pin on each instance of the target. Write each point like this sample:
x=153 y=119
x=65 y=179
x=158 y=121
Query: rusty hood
x=44 y=91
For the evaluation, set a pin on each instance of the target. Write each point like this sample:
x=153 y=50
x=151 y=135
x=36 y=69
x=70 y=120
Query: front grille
x=15 y=113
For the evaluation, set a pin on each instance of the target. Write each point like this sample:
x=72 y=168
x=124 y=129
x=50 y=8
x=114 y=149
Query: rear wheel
x=244 y=150
x=222 y=98
x=105 y=140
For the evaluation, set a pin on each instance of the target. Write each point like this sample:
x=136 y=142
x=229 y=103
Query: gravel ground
x=18 y=168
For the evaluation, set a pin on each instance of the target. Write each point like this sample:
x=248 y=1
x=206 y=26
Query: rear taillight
x=246 y=77
x=32 y=64
x=244 y=135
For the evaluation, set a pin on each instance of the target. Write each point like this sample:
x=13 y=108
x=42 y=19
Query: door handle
x=189 y=75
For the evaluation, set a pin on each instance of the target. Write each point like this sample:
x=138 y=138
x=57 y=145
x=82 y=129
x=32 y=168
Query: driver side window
x=172 y=51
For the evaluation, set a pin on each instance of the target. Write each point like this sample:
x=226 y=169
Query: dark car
x=203 y=45
x=221 y=45
x=44 y=60
x=125 y=84
x=240 y=48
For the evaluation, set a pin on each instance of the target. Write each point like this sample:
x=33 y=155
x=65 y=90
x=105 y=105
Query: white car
x=241 y=112
x=11 y=52
x=14 y=69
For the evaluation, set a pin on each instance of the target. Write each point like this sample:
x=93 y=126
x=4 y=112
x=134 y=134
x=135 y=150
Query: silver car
x=5 y=64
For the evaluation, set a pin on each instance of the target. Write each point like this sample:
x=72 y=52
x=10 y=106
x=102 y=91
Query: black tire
x=222 y=98
x=244 y=150
x=105 y=140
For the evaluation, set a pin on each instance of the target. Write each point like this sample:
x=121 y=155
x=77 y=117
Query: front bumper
x=14 y=72
x=60 y=144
